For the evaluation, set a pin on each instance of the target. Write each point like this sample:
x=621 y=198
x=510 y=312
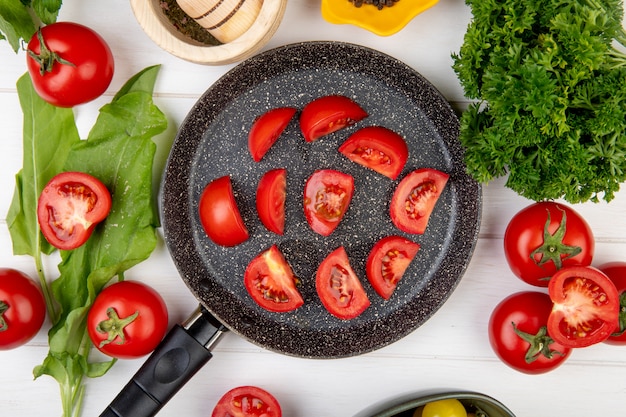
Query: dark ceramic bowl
x=405 y=406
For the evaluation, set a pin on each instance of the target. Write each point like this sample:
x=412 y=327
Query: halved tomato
x=266 y=130
x=339 y=288
x=387 y=261
x=329 y=114
x=271 y=283
x=270 y=200
x=219 y=214
x=327 y=195
x=414 y=199
x=586 y=306
x=616 y=271
x=377 y=148
x=247 y=401
x=69 y=208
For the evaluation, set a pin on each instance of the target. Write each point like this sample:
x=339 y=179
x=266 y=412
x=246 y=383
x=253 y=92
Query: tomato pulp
x=329 y=114
x=266 y=130
x=271 y=283
x=545 y=237
x=339 y=288
x=69 y=208
x=586 y=306
x=387 y=262
x=270 y=200
x=247 y=401
x=219 y=214
x=327 y=195
x=377 y=148
x=414 y=199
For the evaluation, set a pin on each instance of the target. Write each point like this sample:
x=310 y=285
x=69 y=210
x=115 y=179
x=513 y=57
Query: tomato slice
x=414 y=199
x=270 y=200
x=219 y=214
x=266 y=130
x=377 y=148
x=387 y=261
x=327 y=195
x=339 y=288
x=329 y=114
x=616 y=271
x=247 y=401
x=69 y=208
x=586 y=306
x=271 y=283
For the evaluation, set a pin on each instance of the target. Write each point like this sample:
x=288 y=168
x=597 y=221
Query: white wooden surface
x=450 y=351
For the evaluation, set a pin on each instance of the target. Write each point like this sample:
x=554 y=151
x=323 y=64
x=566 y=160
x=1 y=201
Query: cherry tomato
x=444 y=408
x=545 y=237
x=247 y=401
x=69 y=208
x=69 y=64
x=271 y=283
x=616 y=271
x=266 y=130
x=518 y=333
x=22 y=308
x=377 y=148
x=586 y=306
x=270 y=200
x=219 y=214
x=329 y=114
x=339 y=288
x=127 y=320
x=327 y=195
x=415 y=198
x=387 y=261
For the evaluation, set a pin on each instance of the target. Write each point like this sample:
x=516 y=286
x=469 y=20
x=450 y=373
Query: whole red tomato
x=69 y=64
x=247 y=401
x=616 y=271
x=518 y=333
x=22 y=308
x=545 y=237
x=127 y=320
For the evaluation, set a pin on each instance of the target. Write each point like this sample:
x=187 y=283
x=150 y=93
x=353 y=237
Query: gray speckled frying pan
x=212 y=142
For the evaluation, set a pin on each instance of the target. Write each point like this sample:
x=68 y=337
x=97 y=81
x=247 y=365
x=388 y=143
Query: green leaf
x=16 y=23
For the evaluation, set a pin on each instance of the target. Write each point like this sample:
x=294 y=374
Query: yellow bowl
x=383 y=22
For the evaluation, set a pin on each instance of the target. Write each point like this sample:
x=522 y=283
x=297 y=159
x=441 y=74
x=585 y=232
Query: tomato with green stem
x=387 y=261
x=22 y=308
x=586 y=306
x=328 y=114
x=247 y=401
x=127 y=320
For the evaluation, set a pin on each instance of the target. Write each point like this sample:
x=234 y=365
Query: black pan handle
x=183 y=351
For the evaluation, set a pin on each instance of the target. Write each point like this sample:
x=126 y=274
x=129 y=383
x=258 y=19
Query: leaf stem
x=45 y=288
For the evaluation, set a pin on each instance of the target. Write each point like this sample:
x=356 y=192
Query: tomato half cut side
x=266 y=130
x=247 y=401
x=387 y=262
x=219 y=214
x=271 y=283
x=270 y=200
x=586 y=306
x=329 y=114
x=616 y=271
x=377 y=148
x=327 y=195
x=69 y=208
x=414 y=199
x=338 y=287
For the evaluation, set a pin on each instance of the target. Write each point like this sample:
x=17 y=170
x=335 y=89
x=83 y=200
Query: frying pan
x=212 y=142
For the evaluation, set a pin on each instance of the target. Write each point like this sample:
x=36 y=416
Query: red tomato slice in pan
x=586 y=306
x=616 y=271
x=327 y=195
x=69 y=208
x=266 y=130
x=414 y=199
x=377 y=148
x=270 y=200
x=247 y=401
x=219 y=214
x=271 y=283
x=339 y=288
x=387 y=262
x=329 y=114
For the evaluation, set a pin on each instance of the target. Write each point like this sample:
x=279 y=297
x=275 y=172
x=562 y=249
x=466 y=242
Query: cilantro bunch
x=549 y=80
